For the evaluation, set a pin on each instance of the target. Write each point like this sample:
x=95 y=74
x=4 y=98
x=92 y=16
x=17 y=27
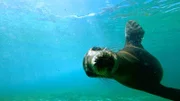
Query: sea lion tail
x=166 y=92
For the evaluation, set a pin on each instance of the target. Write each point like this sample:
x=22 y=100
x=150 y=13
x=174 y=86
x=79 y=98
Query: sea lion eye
x=96 y=48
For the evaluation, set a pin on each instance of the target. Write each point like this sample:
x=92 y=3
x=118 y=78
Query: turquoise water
x=42 y=44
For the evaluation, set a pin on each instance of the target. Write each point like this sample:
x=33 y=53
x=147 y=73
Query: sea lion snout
x=98 y=62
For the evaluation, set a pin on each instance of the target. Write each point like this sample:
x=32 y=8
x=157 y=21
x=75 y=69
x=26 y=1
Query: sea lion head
x=99 y=62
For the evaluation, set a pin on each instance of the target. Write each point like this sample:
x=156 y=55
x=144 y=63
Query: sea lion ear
x=134 y=34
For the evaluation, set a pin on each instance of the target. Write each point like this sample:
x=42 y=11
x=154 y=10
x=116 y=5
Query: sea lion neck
x=120 y=61
x=125 y=61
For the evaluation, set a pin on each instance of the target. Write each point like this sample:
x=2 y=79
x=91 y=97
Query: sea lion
x=132 y=66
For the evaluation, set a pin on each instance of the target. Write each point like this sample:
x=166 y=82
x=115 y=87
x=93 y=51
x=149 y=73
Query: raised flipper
x=134 y=34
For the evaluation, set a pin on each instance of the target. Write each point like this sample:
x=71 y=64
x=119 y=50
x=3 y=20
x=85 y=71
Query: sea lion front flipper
x=134 y=34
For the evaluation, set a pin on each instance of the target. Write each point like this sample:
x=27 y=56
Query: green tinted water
x=42 y=44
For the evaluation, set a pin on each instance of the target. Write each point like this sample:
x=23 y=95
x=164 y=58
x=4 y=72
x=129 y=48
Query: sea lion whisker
x=104 y=49
x=114 y=49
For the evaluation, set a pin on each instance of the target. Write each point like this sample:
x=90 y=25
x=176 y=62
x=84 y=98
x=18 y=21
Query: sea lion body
x=132 y=66
x=137 y=68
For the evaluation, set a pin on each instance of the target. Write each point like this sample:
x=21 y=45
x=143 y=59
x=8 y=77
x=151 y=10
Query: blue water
x=43 y=42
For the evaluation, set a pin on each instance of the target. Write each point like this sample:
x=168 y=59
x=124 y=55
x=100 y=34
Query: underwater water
x=43 y=42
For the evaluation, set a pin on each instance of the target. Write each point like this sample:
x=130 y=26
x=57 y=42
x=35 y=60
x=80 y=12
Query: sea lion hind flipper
x=166 y=92
x=134 y=34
